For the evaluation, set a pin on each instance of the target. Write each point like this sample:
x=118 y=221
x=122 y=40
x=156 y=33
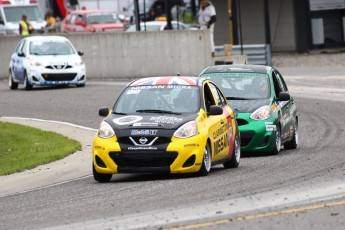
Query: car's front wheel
x=206 y=162
x=235 y=159
x=100 y=177
x=11 y=83
x=294 y=141
x=27 y=84
x=278 y=142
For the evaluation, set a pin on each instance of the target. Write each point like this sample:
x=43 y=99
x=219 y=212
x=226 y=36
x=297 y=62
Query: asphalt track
x=298 y=189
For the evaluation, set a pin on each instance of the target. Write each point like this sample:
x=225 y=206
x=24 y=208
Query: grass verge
x=23 y=147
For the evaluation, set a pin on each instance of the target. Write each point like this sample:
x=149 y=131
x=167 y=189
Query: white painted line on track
x=52 y=121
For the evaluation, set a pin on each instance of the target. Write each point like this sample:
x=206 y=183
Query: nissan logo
x=143 y=140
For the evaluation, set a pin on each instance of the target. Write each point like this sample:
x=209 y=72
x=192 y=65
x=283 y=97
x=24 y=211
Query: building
x=294 y=25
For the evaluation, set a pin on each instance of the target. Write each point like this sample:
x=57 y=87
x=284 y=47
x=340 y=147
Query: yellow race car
x=171 y=124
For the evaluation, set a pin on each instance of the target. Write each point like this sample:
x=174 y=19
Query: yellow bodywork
x=210 y=130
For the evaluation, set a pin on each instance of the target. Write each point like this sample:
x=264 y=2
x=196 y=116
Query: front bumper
x=180 y=156
x=74 y=75
x=257 y=136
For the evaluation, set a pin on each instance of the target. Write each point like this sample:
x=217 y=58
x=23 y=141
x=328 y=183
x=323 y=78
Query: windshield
x=50 y=48
x=98 y=18
x=158 y=99
x=14 y=14
x=241 y=85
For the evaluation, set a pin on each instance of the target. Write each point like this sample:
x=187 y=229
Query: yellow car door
x=220 y=130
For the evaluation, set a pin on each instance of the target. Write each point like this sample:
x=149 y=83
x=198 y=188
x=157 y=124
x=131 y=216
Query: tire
x=99 y=176
x=11 y=83
x=206 y=162
x=27 y=84
x=236 y=156
x=80 y=85
x=278 y=142
x=294 y=141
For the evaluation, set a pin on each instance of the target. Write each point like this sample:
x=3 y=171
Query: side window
x=19 y=46
x=1 y=19
x=23 y=48
x=282 y=82
x=208 y=97
x=219 y=97
x=277 y=85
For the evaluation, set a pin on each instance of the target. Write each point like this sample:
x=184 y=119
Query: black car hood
x=247 y=106
x=148 y=121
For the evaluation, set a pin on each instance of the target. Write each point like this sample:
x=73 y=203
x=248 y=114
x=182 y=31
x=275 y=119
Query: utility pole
x=267 y=31
x=137 y=15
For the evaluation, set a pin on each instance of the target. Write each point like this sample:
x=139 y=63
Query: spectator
x=177 y=11
x=74 y=4
x=207 y=19
x=25 y=27
x=50 y=23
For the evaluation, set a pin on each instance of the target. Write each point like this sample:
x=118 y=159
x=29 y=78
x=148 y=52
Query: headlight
x=105 y=130
x=187 y=130
x=261 y=113
x=34 y=62
x=79 y=61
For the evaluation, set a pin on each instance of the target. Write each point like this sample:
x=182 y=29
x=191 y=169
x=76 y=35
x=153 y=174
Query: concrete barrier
x=135 y=54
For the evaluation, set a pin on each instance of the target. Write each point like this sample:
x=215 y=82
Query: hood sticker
x=151 y=124
x=166 y=119
x=127 y=120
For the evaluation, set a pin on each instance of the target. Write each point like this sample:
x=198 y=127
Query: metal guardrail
x=259 y=54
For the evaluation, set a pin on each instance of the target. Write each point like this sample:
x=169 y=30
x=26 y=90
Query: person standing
x=25 y=28
x=50 y=23
x=207 y=19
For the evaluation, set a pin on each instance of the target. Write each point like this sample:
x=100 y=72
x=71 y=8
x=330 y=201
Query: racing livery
x=169 y=124
x=46 y=60
x=266 y=112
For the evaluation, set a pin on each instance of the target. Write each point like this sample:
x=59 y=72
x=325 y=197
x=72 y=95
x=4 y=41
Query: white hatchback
x=46 y=60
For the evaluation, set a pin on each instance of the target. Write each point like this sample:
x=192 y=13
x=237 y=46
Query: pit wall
x=132 y=54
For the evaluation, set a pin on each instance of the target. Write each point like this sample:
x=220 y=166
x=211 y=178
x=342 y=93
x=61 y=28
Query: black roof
x=237 y=68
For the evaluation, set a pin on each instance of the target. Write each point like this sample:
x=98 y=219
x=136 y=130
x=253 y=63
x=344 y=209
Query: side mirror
x=284 y=96
x=2 y=22
x=21 y=54
x=215 y=110
x=103 y=112
x=80 y=53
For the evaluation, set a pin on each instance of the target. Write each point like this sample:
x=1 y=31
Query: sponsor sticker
x=127 y=120
x=271 y=128
x=166 y=119
x=142 y=132
x=152 y=124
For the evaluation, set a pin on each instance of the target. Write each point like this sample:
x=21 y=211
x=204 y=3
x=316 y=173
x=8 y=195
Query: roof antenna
x=178 y=74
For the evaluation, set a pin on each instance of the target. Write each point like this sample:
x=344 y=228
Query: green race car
x=266 y=113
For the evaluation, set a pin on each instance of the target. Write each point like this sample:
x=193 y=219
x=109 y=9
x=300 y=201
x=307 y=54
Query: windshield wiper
x=119 y=113
x=237 y=98
x=156 y=111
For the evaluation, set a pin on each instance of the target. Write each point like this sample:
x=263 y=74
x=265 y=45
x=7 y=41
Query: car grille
x=59 y=67
x=246 y=138
x=143 y=158
x=159 y=141
x=241 y=122
x=59 y=77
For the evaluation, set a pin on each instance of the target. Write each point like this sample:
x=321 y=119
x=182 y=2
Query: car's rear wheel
x=11 y=83
x=278 y=142
x=236 y=156
x=100 y=177
x=206 y=162
x=27 y=84
x=294 y=141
